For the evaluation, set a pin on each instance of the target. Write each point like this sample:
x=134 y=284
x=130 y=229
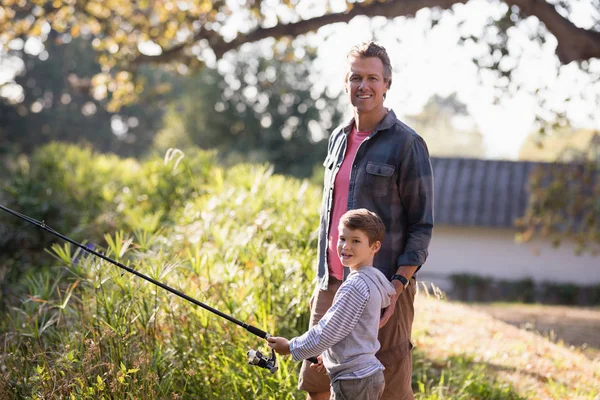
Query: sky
x=428 y=61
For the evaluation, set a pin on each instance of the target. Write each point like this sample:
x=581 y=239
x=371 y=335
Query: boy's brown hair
x=365 y=221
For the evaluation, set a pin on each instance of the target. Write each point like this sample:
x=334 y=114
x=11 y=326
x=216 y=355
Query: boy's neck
x=368 y=264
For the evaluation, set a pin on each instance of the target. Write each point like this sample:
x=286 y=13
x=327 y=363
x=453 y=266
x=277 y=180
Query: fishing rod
x=255 y=357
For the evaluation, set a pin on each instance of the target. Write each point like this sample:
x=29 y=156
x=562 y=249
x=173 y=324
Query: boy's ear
x=376 y=246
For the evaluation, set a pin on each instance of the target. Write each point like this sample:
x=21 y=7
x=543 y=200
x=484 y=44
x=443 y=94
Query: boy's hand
x=388 y=311
x=280 y=344
x=319 y=367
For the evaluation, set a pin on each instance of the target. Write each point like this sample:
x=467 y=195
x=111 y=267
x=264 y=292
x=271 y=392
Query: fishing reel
x=255 y=357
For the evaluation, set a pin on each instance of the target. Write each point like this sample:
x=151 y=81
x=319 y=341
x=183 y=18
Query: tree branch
x=574 y=43
x=178 y=52
x=388 y=9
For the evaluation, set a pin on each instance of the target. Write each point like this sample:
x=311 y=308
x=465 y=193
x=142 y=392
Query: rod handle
x=258 y=332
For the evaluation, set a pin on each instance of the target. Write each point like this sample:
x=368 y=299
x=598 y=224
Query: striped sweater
x=347 y=333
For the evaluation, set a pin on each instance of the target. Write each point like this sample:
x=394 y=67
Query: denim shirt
x=392 y=176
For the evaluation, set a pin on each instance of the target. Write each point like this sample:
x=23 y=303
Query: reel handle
x=257 y=358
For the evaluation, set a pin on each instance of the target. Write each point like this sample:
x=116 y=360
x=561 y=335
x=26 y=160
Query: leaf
x=75 y=30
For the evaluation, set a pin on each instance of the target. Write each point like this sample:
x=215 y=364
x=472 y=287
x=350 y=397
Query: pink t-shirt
x=340 y=201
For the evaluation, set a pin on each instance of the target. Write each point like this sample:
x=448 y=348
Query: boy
x=346 y=336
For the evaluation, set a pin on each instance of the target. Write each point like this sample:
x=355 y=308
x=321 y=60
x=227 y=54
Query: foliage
x=435 y=123
x=85 y=329
x=127 y=37
x=480 y=288
x=263 y=111
x=187 y=35
x=78 y=192
x=566 y=144
x=564 y=201
x=56 y=105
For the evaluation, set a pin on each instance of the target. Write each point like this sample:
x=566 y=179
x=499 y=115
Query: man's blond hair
x=372 y=49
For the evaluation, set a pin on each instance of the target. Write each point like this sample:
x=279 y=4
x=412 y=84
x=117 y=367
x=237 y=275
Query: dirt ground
x=578 y=327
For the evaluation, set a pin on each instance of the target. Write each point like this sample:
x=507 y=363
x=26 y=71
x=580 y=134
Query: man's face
x=365 y=84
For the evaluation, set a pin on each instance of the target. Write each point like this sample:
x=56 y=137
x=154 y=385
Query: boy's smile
x=354 y=249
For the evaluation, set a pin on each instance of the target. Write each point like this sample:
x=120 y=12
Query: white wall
x=493 y=252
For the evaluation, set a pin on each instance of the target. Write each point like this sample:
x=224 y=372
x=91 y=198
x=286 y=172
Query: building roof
x=473 y=192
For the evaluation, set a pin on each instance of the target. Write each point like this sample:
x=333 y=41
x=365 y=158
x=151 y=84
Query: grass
x=243 y=241
x=457 y=377
x=533 y=365
x=576 y=328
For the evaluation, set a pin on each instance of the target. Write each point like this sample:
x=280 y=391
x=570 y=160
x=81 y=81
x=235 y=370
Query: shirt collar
x=385 y=123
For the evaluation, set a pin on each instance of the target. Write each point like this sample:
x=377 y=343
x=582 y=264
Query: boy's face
x=354 y=250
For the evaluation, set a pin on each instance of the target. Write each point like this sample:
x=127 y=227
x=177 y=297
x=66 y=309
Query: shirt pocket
x=379 y=178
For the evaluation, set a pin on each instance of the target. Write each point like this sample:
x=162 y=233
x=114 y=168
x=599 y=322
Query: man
x=378 y=163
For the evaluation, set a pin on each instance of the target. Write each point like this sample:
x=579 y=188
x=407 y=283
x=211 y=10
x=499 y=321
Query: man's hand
x=280 y=344
x=319 y=367
x=389 y=311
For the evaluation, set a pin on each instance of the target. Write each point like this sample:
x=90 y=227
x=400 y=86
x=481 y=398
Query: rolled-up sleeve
x=416 y=191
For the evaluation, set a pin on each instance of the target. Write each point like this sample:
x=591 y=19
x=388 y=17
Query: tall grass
x=241 y=240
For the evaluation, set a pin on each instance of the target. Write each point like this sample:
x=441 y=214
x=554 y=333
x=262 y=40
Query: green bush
x=241 y=240
x=84 y=194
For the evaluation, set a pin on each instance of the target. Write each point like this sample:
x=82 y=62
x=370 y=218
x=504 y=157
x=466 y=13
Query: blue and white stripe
x=348 y=305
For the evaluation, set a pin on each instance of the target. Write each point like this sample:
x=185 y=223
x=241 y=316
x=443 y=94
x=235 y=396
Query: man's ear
x=346 y=82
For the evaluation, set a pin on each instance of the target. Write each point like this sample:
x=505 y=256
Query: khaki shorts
x=369 y=388
x=394 y=337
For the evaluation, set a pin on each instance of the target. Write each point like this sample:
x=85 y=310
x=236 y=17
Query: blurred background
x=262 y=81
x=505 y=93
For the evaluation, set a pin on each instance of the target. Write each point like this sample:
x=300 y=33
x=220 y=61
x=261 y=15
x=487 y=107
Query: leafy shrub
x=84 y=194
x=241 y=240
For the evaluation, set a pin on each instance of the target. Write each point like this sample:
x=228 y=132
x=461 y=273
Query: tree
x=564 y=189
x=435 y=124
x=261 y=110
x=566 y=145
x=127 y=34
x=54 y=107
x=564 y=199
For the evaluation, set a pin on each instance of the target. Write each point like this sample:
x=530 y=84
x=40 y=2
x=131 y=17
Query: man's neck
x=368 y=122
